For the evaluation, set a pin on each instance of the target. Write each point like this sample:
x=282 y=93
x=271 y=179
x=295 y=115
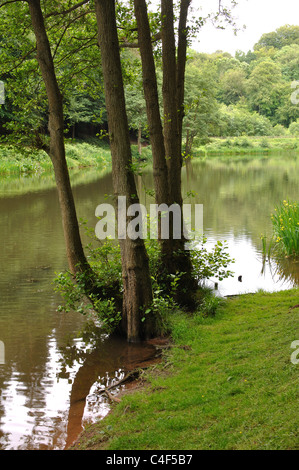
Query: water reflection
x=238 y=197
x=48 y=408
x=51 y=376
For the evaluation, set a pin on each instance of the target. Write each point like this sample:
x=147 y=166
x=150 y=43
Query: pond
x=52 y=365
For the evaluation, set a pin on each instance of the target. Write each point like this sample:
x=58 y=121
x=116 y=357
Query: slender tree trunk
x=75 y=253
x=173 y=99
x=150 y=88
x=139 y=143
x=137 y=293
x=181 y=62
x=171 y=115
x=166 y=143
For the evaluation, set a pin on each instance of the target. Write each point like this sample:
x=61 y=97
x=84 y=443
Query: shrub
x=294 y=128
x=106 y=263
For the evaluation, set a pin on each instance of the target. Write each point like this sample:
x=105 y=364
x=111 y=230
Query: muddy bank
x=129 y=381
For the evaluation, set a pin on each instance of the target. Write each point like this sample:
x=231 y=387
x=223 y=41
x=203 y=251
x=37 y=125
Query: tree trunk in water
x=75 y=253
x=137 y=293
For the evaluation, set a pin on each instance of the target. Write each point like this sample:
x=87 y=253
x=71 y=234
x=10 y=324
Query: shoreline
x=243 y=386
x=88 y=154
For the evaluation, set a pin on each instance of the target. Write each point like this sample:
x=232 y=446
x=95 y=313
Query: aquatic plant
x=285 y=221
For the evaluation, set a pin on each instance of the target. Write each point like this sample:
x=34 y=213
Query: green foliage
x=285 y=222
x=105 y=298
x=16 y=159
x=248 y=145
x=281 y=37
x=209 y=304
x=211 y=263
x=252 y=85
x=105 y=302
x=288 y=58
x=200 y=104
x=294 y=128
x=232 y=86
x=238 y=120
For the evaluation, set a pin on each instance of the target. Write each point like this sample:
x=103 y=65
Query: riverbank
x=96 y=154
x=226 y=382
x=79 y=154
x=247 y=145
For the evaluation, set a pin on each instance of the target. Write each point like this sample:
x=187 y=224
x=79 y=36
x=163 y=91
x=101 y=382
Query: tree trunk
x=173 y=99
x=139 y=141
x=181 y=62
x=75 y=253
x=137 y=293
x=171 y=121
x=166 y=146
x=150 y=88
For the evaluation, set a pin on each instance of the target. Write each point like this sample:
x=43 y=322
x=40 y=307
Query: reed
x=285 y=220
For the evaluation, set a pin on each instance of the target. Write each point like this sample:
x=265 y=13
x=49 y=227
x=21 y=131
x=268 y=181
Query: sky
x=259 y=16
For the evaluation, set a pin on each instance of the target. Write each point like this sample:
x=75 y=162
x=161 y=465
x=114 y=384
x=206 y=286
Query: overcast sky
x=259 y=16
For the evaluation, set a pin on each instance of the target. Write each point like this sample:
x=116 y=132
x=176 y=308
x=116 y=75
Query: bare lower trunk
x=137 y=293
x=150 y=88
x=181 y=62
x=139 y=141
x=166 y=146
x=75 y=254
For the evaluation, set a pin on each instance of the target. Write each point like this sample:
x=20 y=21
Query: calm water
x=53 y=365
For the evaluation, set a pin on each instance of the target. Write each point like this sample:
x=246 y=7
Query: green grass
x=233 y=387
x=247 y=145
x=78 y=154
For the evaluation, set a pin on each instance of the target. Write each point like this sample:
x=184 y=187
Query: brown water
x=53 y=365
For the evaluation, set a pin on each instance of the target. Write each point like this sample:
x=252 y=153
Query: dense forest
x=249 y=94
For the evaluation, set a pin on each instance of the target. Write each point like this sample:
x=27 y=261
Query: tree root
x=132 y=375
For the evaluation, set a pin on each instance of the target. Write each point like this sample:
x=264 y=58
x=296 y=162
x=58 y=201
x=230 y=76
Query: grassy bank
x=78 y=154
x=246 y=145
x=95 y=153
x=227 y=383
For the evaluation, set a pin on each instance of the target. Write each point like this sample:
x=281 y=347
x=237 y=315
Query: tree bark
x=137 y=293
x=150 y=89
x=139 y=141
x=75 y=253
x=171 y=121
x=173 y=99
x=181 y=62
x=166 y=140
